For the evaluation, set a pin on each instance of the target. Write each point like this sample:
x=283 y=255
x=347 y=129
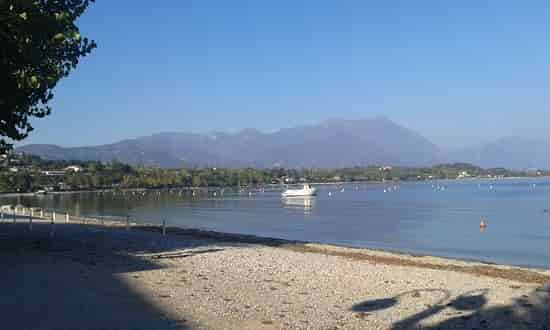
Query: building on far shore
x=463 y=175
x=74 y=168
x=288 y=179
x=533 y=172
x=54 y=172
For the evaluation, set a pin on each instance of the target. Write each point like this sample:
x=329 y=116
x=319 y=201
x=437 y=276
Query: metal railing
x=53 y=217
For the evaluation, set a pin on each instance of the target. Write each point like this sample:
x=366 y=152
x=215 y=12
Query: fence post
x=30 y=221
x=53 y=216
x=32 y=212
x=67 y=217
x=41 y=213
x=52 y=228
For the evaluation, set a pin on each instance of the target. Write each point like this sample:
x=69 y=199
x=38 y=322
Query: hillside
x=333 y=143
x=507 y=152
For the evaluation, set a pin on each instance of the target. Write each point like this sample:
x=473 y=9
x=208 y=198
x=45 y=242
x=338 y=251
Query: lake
x=440 y=219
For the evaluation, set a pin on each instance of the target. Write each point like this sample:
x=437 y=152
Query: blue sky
x=458 y=72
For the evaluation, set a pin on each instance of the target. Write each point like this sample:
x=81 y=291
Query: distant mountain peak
x=333 y=143
x=513 y=152
x=331 y=122
x=249 y=132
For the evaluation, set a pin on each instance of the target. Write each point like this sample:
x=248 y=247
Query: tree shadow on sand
x=526 y=312
x=75 y=279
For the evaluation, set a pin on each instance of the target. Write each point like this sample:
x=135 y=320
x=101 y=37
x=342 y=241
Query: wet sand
x=92 y=276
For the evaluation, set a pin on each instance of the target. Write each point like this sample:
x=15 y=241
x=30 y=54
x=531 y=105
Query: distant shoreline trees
x=25 y=173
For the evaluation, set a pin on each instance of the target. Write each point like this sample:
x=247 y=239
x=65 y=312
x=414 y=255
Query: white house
x=53 y=173
x=463 y=174
x=73 y=168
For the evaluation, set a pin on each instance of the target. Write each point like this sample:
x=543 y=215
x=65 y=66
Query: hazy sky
x=458 y=72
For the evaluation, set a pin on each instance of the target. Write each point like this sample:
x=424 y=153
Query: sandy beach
x=104 y=277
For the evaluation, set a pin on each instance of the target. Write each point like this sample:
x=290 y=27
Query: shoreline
x=525 y=274
x=522 y=273
x=189 y=278
x=508 y=272
x=337 y=183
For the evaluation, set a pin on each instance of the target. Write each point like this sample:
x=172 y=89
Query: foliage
x=40 y=45
x=31 y=176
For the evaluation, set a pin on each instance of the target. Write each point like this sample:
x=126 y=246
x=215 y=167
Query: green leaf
x=34 y=82
x=59 y=37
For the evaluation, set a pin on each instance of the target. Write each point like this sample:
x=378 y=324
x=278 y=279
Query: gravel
x=98 y=277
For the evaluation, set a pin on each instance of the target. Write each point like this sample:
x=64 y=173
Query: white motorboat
x=307 y=190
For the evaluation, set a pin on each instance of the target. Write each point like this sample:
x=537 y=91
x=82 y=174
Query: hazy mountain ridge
x=332 y=143
x=511 y=152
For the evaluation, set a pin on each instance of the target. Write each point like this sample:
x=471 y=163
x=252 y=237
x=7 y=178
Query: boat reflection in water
x=304 y=204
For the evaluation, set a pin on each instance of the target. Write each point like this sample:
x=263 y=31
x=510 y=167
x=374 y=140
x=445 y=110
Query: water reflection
x=299 y=203
x=105 y=203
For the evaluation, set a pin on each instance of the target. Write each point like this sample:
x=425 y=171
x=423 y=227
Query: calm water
x=416 y=218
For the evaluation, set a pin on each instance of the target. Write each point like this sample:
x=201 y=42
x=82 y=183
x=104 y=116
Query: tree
x=39 y=45
x=196 y=181
x=95 y=166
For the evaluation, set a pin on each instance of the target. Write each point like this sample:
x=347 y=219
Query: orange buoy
x=482 y=224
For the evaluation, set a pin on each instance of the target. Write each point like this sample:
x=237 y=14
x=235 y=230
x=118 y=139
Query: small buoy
x=482 y=224
x=329 y=193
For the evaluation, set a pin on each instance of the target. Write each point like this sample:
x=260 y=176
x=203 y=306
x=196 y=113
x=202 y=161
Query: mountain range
x=332 y=143
x=511 y=152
